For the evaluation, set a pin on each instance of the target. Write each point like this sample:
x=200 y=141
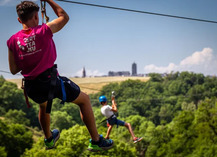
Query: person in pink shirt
x=32 y=52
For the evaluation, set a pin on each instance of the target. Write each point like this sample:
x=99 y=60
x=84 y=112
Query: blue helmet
x=102 y=99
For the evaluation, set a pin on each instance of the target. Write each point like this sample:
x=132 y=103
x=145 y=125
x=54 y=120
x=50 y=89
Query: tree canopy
x=175 y=114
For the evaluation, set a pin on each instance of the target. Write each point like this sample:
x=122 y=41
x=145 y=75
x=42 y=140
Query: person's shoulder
x=108 y=106
x=104 y=107
x=43 y=30
x=41 y=27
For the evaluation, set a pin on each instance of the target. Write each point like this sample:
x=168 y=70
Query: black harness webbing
x=53 y=81
x=25 y=94
x=107 y=118
x=53 y=76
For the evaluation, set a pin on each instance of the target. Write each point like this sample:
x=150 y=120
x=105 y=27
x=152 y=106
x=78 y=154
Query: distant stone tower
x=134 y=69
x=83 y=73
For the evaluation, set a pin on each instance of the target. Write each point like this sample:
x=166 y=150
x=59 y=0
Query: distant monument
x=134 y=69
x=119 y=73
x=83 y=73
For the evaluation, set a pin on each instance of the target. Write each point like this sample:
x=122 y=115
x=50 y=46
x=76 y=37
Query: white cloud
x=154 y=68
x=199 y=62
x=89 y=73
x=198 y=58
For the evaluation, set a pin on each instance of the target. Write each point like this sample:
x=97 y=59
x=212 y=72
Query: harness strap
x=113 y=116
x=52 y=88
x=25 y=94
x=63 y=91
x=107 y=119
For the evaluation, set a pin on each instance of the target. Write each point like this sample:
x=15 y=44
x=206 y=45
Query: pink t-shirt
x=34 y=50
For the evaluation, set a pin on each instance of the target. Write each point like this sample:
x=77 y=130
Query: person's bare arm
x=114 y=105
x=12 y=64
x=58 y=23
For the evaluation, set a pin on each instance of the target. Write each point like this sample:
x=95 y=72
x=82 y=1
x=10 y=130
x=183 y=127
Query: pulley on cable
x=43 y=12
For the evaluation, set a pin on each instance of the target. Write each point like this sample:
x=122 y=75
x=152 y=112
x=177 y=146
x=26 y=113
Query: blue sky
x=103 y=40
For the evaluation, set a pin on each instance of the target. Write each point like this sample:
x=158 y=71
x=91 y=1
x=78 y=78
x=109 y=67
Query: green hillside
x=175 y=115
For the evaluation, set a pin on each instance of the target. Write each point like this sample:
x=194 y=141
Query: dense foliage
x=175 y=114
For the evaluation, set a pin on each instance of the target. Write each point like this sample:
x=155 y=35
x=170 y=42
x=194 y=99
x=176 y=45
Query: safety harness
x=52 y=76
x=108 y=119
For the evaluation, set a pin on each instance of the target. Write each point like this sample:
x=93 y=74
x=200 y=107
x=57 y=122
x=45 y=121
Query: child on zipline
x=108 y=112
x=32 y=52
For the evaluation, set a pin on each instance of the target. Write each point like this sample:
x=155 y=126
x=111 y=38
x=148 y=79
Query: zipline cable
x=138 y=11
x=8 y=72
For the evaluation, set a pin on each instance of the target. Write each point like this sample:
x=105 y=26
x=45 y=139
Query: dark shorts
x=114 y=120
x=38 y=90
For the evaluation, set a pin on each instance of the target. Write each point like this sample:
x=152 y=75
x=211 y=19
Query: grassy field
x=92 y=85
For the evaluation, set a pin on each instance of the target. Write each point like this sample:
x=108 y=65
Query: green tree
x=15 y=116
x=72 y=110
x=10 y=96
x=210 y=86
x=2 y=111
x=176 y=87
x=188 y=77
x=2 y=80
x=125 y=111
x=155 y=77
x=13 y=98
x=2 y=152
x=98 y=116
x=166 y=113
x=172 y=76
x=15 y=138
x=74 y=142
x=61 y=120
x=196 y=94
